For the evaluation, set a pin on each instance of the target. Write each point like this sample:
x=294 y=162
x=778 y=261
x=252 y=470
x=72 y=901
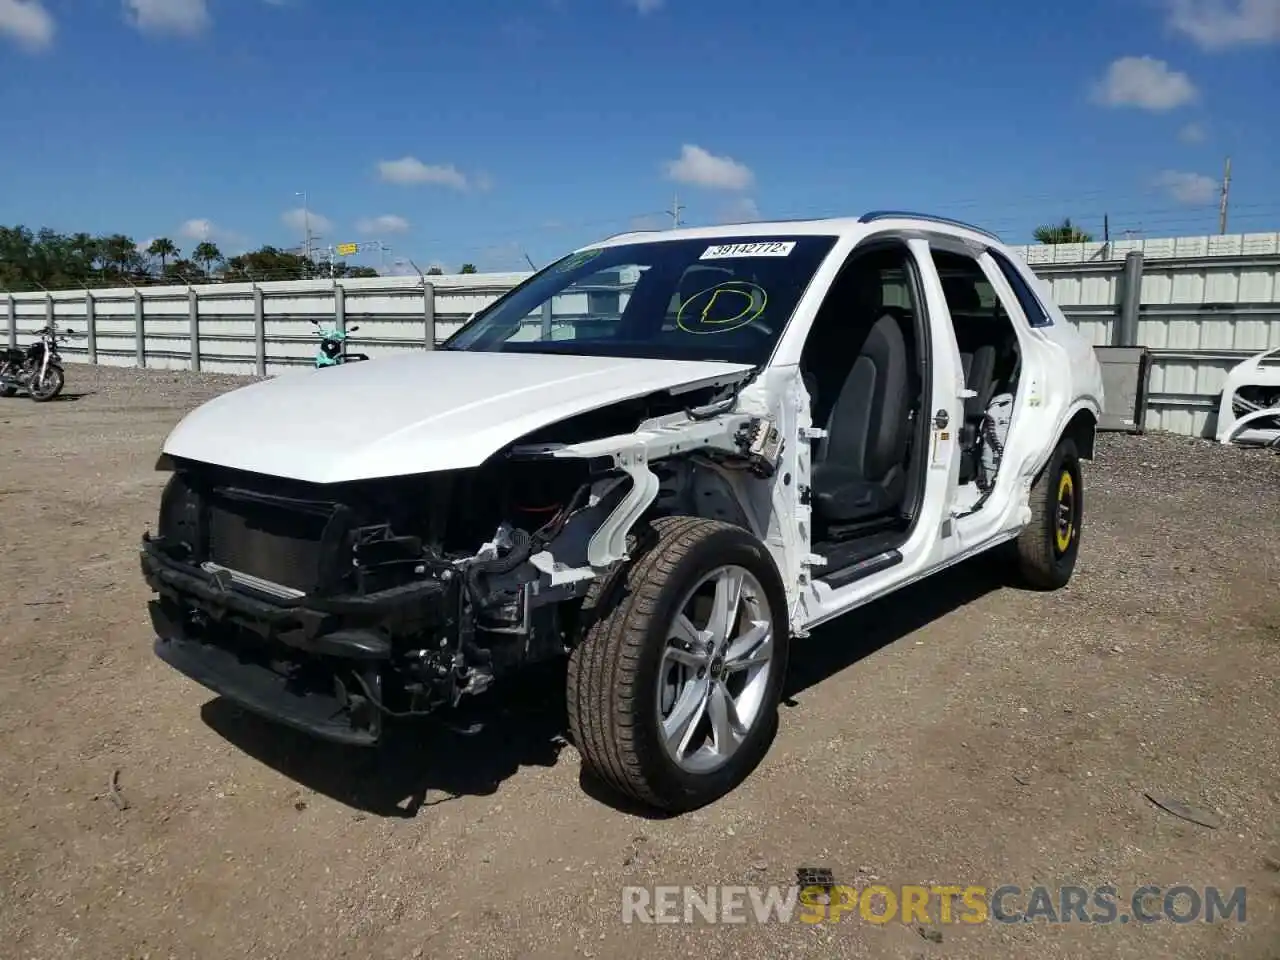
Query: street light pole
x=428 y=306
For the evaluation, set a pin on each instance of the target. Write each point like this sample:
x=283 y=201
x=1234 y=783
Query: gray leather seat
x=858 y=469
x=978 y=355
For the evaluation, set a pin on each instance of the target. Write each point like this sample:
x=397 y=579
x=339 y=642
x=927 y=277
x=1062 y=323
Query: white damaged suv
x=663 y=456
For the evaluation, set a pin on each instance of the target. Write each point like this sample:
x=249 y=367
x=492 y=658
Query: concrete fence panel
x=1201 y=304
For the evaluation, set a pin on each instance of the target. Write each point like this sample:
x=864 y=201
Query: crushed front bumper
x=318 y=664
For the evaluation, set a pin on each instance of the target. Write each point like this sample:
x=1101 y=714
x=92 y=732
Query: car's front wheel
x=673 y=689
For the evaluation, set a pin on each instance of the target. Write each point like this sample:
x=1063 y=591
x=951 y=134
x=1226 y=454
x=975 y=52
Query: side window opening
x=1032 y=308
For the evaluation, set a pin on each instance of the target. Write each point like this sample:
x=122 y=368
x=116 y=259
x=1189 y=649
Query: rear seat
x=979 y=368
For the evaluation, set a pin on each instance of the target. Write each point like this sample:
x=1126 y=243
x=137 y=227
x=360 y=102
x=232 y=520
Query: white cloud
x=1193 y=189
x=298 y=220
x=741 y=210
x=648 y=6
x=1146 y=83
x=197 y=229
x=411 y=170
x=1219 y=24
x=701 y=168
x=387 y=223
x=28 y=23
x=180 y=17
x=1192 y=133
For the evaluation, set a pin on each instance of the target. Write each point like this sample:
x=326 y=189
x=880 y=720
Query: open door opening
x=866 y=368
x=992 y=363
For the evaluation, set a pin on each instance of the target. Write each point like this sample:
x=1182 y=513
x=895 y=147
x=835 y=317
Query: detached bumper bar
x=262 y=691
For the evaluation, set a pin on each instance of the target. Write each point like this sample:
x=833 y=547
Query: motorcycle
x=37 y=370
x=333 y=346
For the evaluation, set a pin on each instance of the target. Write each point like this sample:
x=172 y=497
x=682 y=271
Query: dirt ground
x=964 y=732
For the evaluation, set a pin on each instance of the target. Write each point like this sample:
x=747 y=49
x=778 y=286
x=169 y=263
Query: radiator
x=269 y=541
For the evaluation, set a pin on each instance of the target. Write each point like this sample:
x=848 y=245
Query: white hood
x=414 y=413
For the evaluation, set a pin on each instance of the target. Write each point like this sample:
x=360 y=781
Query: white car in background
x=664 y=457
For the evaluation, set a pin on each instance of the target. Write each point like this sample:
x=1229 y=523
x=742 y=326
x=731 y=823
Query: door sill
x=849 y=562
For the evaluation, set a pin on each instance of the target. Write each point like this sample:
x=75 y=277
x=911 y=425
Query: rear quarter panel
x=1081 y=375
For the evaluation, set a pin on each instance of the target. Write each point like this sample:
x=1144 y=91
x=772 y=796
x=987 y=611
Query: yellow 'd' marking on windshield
x=750 y=311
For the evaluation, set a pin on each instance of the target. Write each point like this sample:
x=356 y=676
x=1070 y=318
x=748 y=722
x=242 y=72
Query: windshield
x=727 y=299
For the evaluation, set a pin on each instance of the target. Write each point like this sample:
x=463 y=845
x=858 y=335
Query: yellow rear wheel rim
x=1064 y=526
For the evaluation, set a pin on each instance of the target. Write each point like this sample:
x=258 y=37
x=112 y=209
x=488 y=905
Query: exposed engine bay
x=352 y=602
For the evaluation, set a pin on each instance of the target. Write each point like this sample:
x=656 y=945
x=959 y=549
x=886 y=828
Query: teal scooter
x=333 y=346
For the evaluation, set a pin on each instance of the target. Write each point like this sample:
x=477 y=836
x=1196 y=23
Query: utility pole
x=675 y=211
x=1226 y=193
x=306 y=224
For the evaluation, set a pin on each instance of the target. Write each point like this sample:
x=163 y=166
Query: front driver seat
x=859 y=466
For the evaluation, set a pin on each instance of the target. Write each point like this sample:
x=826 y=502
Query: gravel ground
x=962 y=732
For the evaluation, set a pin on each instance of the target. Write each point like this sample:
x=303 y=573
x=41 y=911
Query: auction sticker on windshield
x=764 y=248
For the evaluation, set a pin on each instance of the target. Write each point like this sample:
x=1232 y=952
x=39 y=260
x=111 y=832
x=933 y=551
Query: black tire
x=613 y=674
x=58 y=380
x=1047 y=548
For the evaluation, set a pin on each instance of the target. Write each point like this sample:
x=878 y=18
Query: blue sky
x=484 y=130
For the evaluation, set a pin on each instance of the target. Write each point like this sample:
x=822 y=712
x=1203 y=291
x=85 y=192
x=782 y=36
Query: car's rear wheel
x=1048 y=546
x=673 y=690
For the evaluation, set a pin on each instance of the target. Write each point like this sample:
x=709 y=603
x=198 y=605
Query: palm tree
x=1065 y=232
x=118 y=253
x=164 y=248
x=206 y=254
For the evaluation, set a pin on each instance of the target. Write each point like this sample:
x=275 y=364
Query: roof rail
x=626 y=233
x=874 y=215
